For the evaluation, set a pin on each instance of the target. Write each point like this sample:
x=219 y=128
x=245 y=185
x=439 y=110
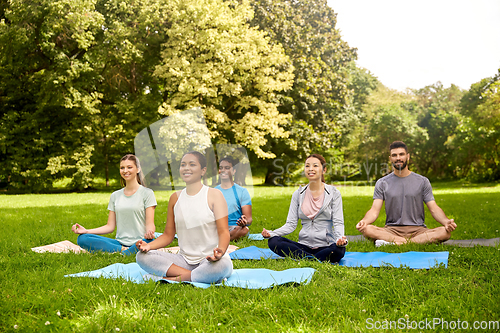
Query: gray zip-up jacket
x=326 y=227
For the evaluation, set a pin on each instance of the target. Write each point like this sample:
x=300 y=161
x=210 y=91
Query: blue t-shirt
x=234 y=203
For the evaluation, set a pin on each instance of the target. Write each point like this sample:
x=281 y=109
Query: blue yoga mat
x=416 y=260
x=255 y=237
x=413 y=259
x=158 y=234
x=249 y=278
x=254 y=253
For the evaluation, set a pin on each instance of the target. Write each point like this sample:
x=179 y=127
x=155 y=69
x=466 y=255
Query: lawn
x=37 y=297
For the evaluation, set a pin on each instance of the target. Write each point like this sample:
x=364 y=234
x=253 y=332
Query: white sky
x=411 y=44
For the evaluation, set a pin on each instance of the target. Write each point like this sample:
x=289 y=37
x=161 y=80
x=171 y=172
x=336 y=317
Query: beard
x=400 y=167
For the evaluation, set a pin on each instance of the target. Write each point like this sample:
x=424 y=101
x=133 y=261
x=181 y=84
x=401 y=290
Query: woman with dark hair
x=198 y=214
x=319 y=207
x=131 y=212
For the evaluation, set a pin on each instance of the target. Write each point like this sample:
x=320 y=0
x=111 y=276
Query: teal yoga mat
x=413 y=259
x=255 y=237
x=416 y=260
x=249 y=278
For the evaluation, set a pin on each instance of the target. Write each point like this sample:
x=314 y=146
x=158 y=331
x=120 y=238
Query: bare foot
x=173 y=278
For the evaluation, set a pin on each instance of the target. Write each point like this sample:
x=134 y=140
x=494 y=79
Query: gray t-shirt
x=131 y=213
x=404 y=198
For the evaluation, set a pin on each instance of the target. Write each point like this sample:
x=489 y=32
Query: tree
x=477 y=140
x=320 y=97
x=214 y=60
x=391 y=123
x=437 y=110
x=83 y=78
x=385 y=117
x=44 y=96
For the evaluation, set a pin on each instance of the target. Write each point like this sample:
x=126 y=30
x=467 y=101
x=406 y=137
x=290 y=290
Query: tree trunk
x=270 y=176
x=106 y=162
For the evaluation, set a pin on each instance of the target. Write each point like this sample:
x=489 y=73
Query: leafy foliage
x=87 y=76
x=321 y=94
x=214 y=60
x=477 y=139
x=44 y=94
x=437 y=111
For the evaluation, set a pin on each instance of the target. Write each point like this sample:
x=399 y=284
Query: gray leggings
x=158 y=263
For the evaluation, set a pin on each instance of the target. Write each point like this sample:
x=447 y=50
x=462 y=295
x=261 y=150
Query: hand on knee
x=445 y=235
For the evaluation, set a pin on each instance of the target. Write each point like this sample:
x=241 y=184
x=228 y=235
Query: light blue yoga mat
x=254 y=253
x=255 y=237
x=158 y=234
x=249 y=278
x=416 y=260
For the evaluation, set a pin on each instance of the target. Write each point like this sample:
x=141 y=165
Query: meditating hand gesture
x=143 y=246
x=361 y=226
x=150 y=234
x=265 y=233
x=218 y=253
x=342 y=241
x=450 y=226
x=78 y=229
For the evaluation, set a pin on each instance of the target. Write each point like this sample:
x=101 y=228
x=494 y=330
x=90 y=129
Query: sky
x=412 y=44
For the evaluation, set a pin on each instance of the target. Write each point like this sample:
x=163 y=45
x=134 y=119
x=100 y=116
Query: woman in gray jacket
x=319 y=207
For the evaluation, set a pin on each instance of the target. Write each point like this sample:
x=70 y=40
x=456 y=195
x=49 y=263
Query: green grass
x=37 y=297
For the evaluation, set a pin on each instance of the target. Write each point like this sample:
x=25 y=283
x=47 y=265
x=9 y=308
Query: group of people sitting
x=206 y=219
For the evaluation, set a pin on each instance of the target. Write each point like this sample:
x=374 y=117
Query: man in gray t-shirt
x=404 y=193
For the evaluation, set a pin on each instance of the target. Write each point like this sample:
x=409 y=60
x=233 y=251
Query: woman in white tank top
x=198 y=214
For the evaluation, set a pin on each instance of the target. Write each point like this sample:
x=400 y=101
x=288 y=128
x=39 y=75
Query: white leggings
x=158 y=263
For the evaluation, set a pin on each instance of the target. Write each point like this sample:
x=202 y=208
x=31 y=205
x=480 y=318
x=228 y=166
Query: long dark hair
x=140 y=175
x=323 y=164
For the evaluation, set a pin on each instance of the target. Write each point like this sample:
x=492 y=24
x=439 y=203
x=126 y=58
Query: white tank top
x=195 y=226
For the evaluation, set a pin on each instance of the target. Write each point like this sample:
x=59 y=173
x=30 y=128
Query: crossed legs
x=238 y=232
x=95 y=243
x=174 y=267
x=398 y=237
x=284 y=247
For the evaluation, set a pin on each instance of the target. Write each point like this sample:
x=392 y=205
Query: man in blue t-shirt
x=404 y=193
x=238 y=200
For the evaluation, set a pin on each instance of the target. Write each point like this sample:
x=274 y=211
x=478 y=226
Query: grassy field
x=37 y=297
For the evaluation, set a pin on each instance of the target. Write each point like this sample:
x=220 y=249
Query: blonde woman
x=131 y=213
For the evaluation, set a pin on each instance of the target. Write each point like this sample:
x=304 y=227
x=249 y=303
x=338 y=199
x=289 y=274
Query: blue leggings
x=284 y=247
x=95 y=243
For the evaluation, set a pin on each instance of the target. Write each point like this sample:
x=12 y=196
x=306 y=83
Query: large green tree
x=477 y=139
x=79 y=79
x=44 y=93
x=386 y=116
x=437 y=110
x=320 y=96
x=214 y=60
